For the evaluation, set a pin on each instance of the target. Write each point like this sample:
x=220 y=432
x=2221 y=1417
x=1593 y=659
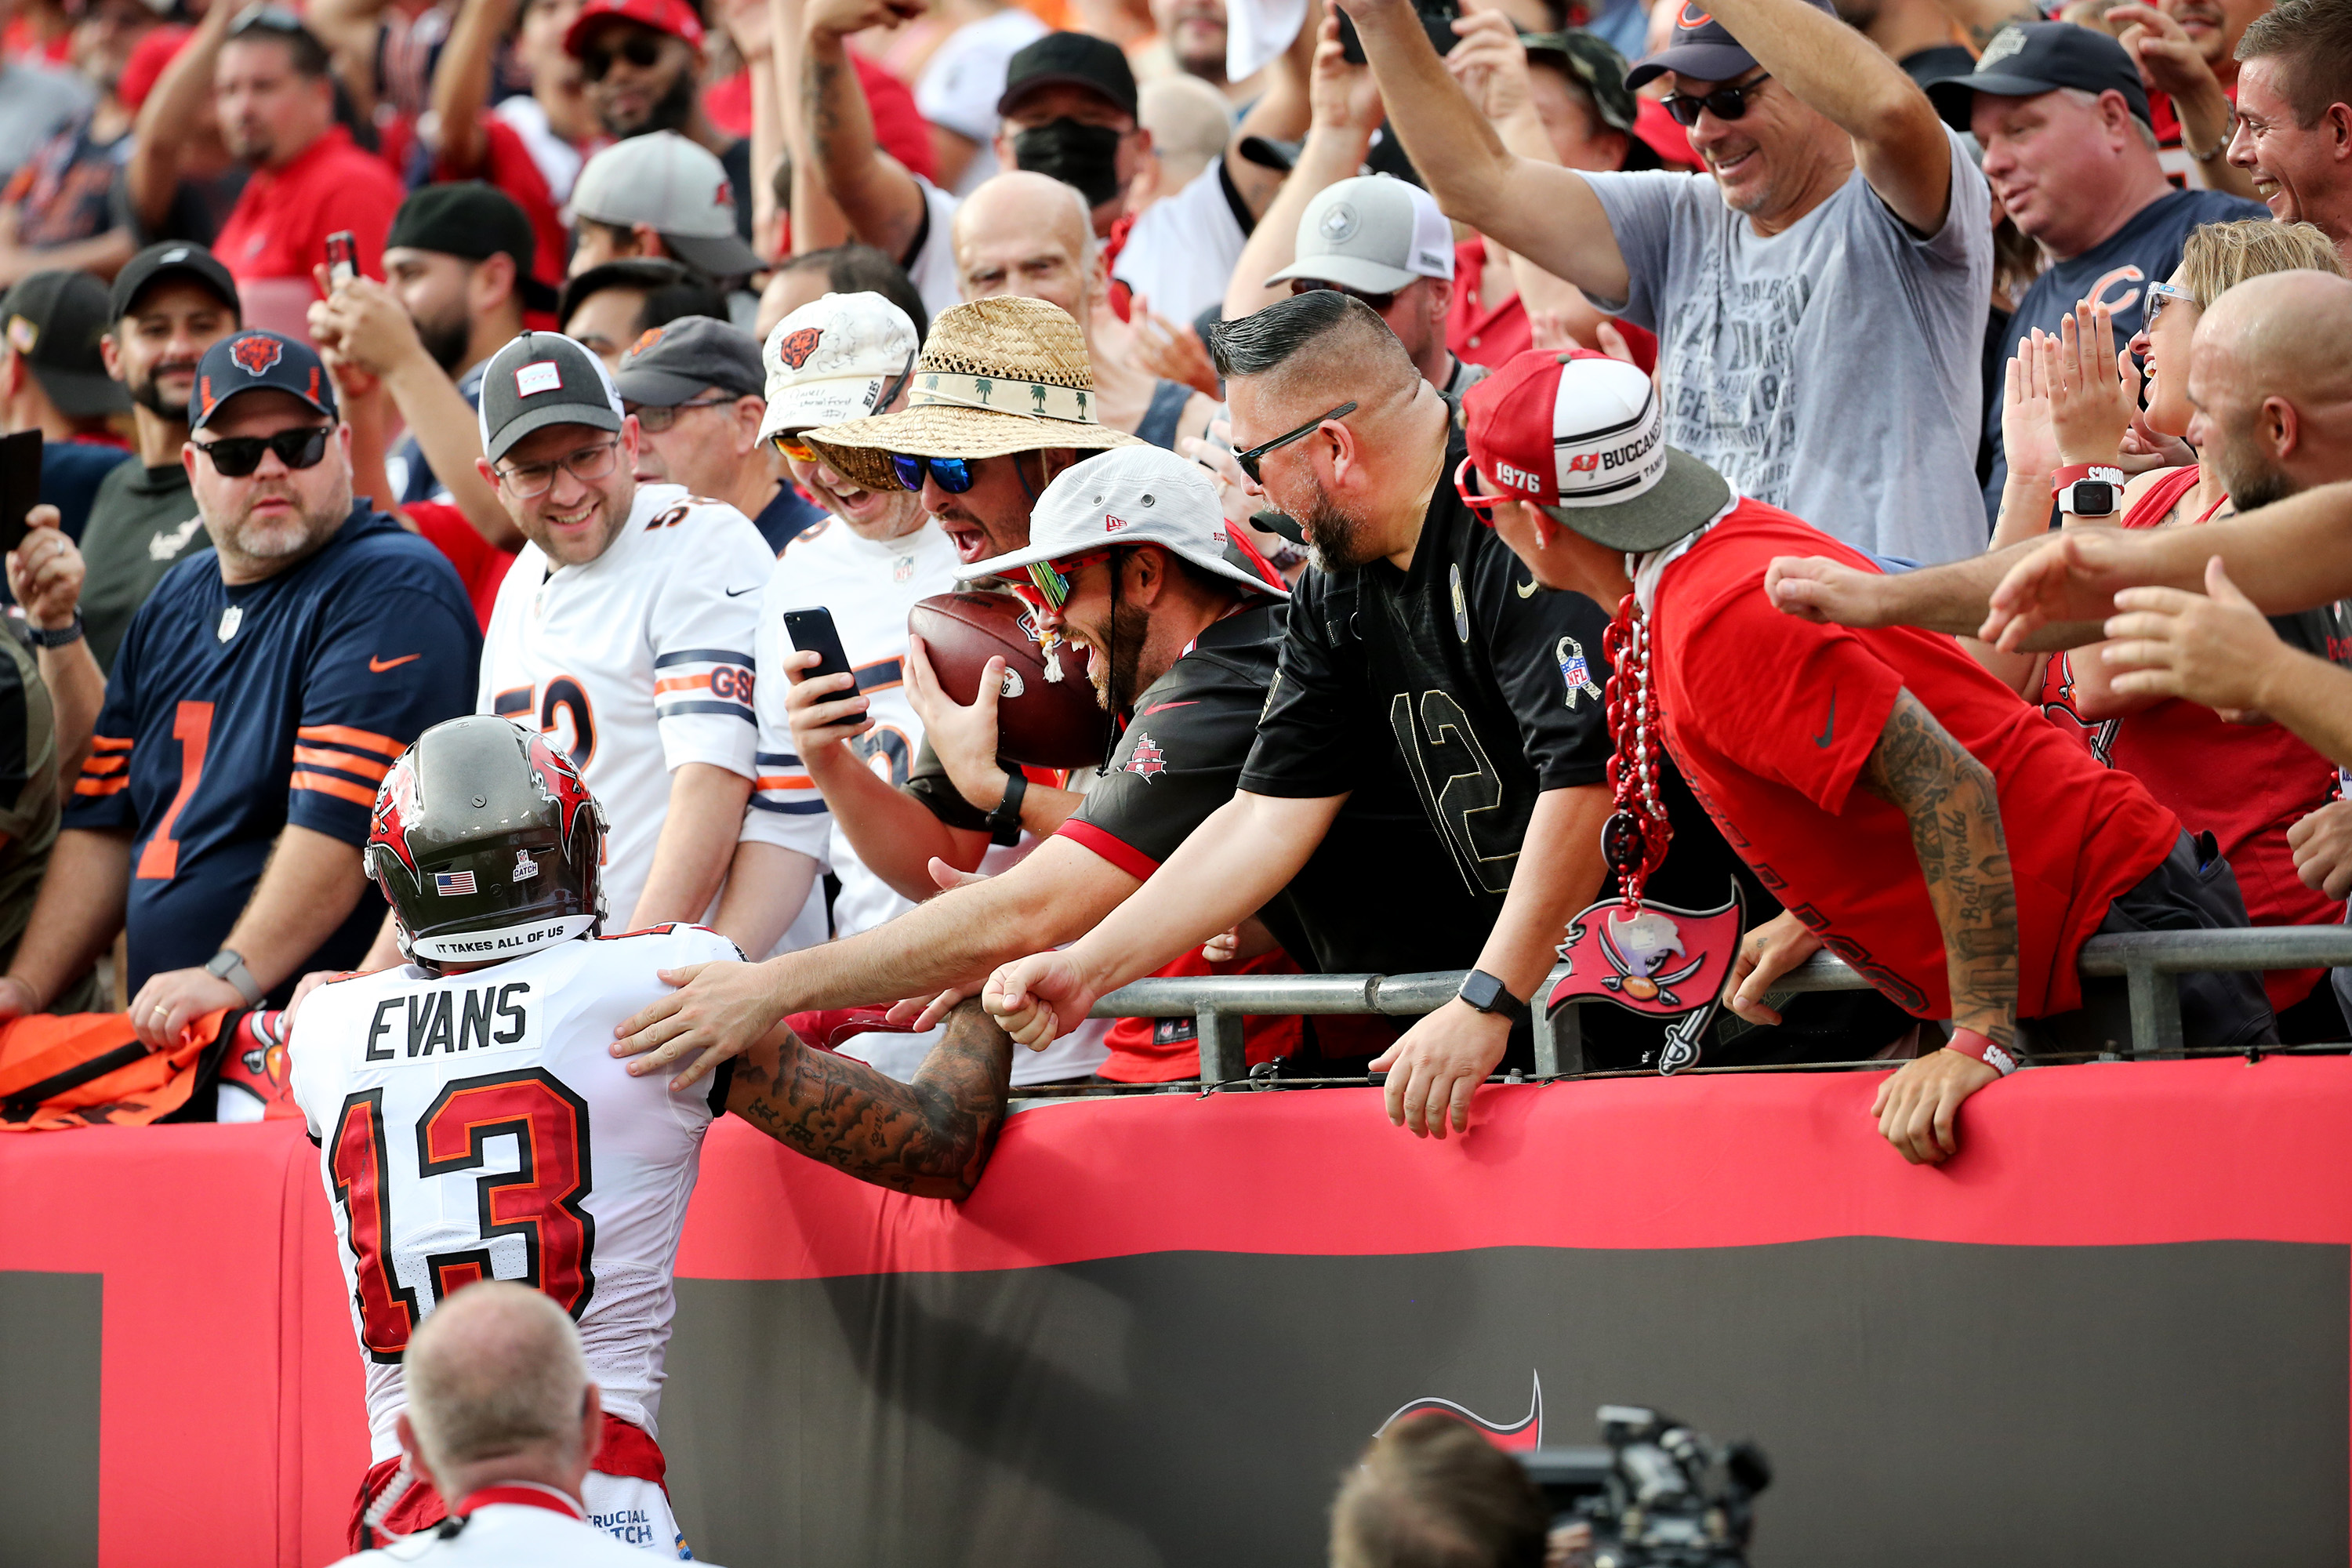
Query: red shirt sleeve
x=1799 y=703
x=506 y=164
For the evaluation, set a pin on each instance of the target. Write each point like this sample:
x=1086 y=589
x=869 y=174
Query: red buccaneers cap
x=675 y=17
x=1584 y=436
x=253 y=360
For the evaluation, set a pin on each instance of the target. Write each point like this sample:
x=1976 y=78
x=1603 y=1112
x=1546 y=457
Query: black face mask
x=1084 y=156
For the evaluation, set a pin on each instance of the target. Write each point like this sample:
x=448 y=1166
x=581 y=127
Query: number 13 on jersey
x=540 y=1201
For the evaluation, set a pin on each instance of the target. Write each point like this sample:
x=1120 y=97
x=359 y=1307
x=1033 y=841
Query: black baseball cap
x=678 y=362
x=172 y=257
x=472 y=221
x=1073 y=59
x=252 y=360
x=53 y=320
x=2026 y=58
x=1702 y=49
x=541 y=379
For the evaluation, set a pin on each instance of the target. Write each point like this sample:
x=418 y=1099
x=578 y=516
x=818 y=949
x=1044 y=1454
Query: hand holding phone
x=811 y=631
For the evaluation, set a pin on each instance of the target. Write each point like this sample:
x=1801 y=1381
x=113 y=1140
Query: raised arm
x=461 y=85
x=1899 y=140
x=882 y=202
x=930 y=1137
x=167 y=121
x=1542 y=211
x=1344 y=111
x=1955 y=813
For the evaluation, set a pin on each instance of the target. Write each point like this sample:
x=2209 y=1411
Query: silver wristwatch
x=229 y=965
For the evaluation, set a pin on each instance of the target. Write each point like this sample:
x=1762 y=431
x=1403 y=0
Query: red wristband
x=1969 y=1043
x=2066 y=475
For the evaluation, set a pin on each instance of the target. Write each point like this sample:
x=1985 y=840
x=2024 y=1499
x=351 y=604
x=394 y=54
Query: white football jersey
x=477 y=1126
x=636 y=664
x=869 y=587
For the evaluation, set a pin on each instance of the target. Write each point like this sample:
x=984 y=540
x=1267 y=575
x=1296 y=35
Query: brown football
x=1045 y=723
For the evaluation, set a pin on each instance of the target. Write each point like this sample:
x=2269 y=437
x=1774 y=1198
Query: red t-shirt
x=480 y=564
x=279 y=229
x=1771 y=718
x=1168 y=1050
x=898 y=126
x=1479 y=334
x=506 y=164
x=2165 y=120
x=2246 y=785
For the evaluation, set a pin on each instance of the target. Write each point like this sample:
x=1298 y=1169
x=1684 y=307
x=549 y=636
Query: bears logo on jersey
x=255 y=354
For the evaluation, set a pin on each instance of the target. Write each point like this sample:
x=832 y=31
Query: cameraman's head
x=1431 y=1493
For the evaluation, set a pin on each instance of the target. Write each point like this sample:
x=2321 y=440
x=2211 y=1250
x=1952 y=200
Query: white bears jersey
x=636 y=664
x=869 y=587
x=477 y=1126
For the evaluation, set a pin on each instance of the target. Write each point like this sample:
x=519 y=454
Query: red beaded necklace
x=1634 y=839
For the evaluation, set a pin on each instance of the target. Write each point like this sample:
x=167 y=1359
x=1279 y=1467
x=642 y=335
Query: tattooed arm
x=880 y=200
x=1955 y=812
x=930 y=1137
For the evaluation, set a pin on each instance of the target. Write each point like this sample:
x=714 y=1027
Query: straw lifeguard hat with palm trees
x=995 y=376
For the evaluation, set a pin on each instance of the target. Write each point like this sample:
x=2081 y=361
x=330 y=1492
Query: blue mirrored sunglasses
x=953 y=474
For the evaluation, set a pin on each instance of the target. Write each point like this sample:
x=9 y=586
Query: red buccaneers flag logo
x=560 y=781
x=255 y=354
x=1524 y=1436
x=395 y=807
x=1659 y=961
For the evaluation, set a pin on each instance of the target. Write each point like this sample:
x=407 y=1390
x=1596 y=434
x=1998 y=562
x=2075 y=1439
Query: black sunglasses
x=1724 y=102
x=1379 y=302
x=637 y=48
x=1249 y=459
x=267 y=19
x=237 y=456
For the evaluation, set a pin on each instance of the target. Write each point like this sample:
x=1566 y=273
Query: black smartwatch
x=1004 y=822
x=1487 y=994
x=64 y=636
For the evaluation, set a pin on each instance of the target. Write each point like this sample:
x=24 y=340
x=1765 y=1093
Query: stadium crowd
x=982 y=500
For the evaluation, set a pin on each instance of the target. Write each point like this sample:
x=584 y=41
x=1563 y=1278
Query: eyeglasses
x=1724 y=102
x=235 y=456
x=638 y=49
x=952 y=475
x=1379 y=302
x=655 y=419
x=2157 y=293
x=1465 y=485
x=1052 y=578
x=1249 y=459
x=587 y=465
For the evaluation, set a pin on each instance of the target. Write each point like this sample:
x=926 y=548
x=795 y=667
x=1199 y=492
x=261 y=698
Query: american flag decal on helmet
x=449 y=883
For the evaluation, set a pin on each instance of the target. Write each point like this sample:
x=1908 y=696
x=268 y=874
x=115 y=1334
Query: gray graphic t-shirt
x=1831 y=370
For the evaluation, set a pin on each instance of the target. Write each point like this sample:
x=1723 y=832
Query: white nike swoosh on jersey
x=163 y=546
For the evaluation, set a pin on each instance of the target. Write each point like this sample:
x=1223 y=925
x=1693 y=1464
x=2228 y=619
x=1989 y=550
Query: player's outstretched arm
x=930 y=1137
x=1955 y=812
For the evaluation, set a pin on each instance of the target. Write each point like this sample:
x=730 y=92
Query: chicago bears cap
x=1584 y=436
x=836 y=359
x=53 y=322
x=175 y=257
x=541 y=379
x=2027 y=58
x=677 y=187
x=1373 y=234
x=675 y=17
x=680 y=361
x=252 y=360
x=1702 y=49
x=1135 y=495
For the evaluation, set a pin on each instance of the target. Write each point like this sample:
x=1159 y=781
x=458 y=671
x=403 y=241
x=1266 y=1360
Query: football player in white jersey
x=473 y=1122
x=844 y=357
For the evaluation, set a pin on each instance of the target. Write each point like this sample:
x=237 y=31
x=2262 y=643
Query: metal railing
x=2148 y=963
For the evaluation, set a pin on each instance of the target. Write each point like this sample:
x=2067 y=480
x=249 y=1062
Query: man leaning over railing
x=1919 y=818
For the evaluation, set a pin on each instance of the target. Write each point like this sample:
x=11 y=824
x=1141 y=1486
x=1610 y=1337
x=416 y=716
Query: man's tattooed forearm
x=1954 y=809
x=820 y=74
x=932 y=1137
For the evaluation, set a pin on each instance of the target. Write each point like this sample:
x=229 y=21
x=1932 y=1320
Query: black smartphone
x=1436 y=20
x=20 y=484
x=811 y=631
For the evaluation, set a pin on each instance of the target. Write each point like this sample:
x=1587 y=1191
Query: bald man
x=504 y=1423
x=1418 y=633
x=1030 y=235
